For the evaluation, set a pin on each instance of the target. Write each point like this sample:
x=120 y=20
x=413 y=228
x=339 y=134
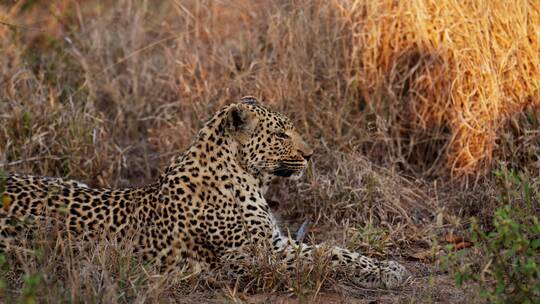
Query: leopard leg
x=10 y=228
x=360 y=269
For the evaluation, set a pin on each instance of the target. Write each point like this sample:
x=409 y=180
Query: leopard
x=205 y=209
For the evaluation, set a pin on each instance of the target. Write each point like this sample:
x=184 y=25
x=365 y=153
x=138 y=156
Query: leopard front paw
x=383 y=274
x=393 y=274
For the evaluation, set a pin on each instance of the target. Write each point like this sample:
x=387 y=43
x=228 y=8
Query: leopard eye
x=281 y=135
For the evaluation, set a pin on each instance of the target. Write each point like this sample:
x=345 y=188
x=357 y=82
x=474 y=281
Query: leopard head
x=268 y=142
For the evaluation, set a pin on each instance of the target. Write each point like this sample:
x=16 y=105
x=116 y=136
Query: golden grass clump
x=450 y=69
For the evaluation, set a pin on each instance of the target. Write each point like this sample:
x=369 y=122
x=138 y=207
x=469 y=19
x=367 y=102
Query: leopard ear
x=240 y=118
x=249 y=100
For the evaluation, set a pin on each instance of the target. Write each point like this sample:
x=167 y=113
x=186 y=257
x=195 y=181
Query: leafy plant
x=30 y=289
x=3 y=178
x=504 y=262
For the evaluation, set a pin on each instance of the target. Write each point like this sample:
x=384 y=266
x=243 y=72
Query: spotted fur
x=205 y=208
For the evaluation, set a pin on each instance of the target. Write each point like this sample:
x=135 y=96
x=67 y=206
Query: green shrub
x=504 y=262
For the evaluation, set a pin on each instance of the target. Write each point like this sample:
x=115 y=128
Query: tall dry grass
x=428 y=84
x=390 y=94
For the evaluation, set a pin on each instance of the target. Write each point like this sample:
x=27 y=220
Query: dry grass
x=398 y=99
x=446 y=74
x=62 y=269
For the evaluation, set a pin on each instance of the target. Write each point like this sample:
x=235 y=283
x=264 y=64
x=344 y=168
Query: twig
x=15 y=27
x=302 y=231
x=20 y=161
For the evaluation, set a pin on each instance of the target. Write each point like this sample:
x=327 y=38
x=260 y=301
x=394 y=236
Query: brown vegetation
x=409 y=105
